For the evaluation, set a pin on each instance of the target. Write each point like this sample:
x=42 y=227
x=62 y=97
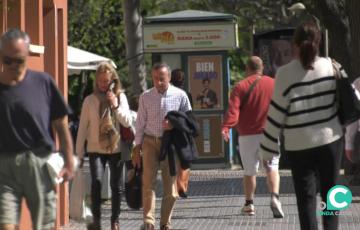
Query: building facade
x=46 y=23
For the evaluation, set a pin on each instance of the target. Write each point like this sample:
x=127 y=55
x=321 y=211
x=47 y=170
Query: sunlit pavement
x=215 y=201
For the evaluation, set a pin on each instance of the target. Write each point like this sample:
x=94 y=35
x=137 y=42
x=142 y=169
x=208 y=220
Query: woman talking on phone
x=101 y=115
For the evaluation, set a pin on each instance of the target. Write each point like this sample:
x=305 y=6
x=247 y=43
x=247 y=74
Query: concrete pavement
x=215 y=201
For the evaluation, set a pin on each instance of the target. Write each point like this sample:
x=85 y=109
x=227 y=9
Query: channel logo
x=338 y=198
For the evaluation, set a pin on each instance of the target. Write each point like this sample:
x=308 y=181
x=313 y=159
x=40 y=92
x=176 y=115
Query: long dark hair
x=307 y=38
x=177 y=78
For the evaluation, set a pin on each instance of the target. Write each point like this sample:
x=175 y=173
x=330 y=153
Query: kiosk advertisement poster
x=205 y=81
x=275 y=53
x=209 y=143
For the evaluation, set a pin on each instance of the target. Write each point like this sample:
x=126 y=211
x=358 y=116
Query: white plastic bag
x=55 y=163
x=78 y=210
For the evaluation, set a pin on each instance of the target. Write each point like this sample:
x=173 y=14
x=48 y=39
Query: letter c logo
x=338 y=198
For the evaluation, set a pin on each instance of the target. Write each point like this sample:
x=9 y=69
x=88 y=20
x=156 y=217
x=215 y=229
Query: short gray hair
x=160 y=65
x=255 y=63
x=14 y=34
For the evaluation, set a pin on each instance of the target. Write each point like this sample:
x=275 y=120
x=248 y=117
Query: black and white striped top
x=304 y=102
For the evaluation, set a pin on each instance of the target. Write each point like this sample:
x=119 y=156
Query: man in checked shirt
x=154 y=104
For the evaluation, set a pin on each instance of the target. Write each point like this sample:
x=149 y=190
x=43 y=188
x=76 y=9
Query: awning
x=83 y=60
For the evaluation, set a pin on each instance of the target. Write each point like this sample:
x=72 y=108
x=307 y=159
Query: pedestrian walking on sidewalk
x=304 y=106
x=154 y=105
x=183 y=175
x=101 y=115
x=31 y=107
x=248 y=107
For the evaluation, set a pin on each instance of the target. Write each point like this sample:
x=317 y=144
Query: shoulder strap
x=247 y=94
x=336 y=67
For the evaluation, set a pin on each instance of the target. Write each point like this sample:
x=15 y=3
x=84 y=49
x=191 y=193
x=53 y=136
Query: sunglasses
x=8 y=60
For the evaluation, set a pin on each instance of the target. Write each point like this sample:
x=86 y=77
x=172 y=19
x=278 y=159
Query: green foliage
x=255 y=15
x=97 y=26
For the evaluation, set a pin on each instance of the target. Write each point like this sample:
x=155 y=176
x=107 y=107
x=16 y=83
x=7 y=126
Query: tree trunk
x=353 y=9
x=333 y=17
x=134 y=46
x=342 y=20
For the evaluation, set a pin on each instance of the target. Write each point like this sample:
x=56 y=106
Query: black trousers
x=97 y=168
x=322 y=163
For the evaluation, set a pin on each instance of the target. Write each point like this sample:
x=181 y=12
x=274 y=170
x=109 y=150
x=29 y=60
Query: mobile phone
x=111 y=86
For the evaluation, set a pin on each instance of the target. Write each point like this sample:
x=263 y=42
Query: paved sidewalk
x=216 y=197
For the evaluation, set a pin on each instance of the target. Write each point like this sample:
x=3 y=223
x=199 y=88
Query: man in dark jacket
x=207 y=98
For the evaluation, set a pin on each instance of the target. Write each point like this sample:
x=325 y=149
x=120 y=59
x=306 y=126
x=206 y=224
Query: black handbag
x=347 y=101
x=284 y=162
x=356 y=151
x=133 y=189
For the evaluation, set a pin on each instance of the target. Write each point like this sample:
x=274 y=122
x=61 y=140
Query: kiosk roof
x=190 y=15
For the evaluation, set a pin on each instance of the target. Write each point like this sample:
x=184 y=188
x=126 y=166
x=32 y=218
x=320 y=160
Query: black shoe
x=183 y=194
x=94 y=226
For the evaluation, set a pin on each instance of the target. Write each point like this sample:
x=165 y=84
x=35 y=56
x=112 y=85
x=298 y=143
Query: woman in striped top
x=303 y=104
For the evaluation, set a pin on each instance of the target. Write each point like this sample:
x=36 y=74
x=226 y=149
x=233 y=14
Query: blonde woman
x=101 y=114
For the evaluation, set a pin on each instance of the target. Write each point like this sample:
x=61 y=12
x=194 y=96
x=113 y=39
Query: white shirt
x=153 y=107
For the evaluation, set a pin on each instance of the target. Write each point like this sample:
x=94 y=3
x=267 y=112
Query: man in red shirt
x=248 y=106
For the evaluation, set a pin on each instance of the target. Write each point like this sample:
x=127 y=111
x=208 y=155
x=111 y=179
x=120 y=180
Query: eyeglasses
x=9 y=60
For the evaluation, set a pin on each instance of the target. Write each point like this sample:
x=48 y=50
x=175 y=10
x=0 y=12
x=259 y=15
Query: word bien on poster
x=205 y=81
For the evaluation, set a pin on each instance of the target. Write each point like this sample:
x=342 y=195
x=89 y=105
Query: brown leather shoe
x=115 y=226
x=148 y=226
x=164 y=227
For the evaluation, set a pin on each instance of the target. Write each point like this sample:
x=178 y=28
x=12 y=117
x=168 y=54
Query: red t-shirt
x=252 y=118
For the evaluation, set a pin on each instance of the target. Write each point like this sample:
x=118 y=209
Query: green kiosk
x=197 y=42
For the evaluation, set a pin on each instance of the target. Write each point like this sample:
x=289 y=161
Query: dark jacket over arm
x=180 y=140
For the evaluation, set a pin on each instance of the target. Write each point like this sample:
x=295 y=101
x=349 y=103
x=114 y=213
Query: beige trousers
x=151 y=164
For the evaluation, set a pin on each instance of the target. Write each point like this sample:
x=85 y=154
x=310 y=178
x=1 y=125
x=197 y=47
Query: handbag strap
x=336 y=67
x=247 y=94
x=339 y=71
